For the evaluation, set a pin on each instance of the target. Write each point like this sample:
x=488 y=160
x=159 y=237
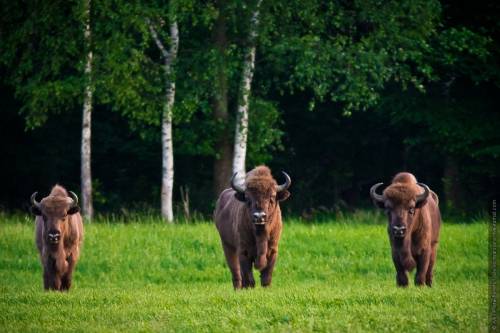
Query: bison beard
x=59 y=234
x=414 y=223
x=248 y=219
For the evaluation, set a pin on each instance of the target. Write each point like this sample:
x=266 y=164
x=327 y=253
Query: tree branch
x=157 y=40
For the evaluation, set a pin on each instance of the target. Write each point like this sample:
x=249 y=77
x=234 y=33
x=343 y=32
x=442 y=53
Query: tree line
x=234 y=83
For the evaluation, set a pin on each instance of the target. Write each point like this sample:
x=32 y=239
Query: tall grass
x=150 y=276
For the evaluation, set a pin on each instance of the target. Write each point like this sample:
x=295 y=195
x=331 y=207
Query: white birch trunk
x=241 y=132
x=167 y=180
x=86 y=176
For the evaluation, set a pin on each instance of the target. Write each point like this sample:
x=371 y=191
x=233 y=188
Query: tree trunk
x=167 y=183
x=86 y=176
x=241 y=133
x=223 y=149
x=167 y=178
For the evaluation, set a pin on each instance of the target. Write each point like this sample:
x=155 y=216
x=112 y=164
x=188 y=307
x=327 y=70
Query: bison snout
x=54 y=236
x=398 y=231
x=259 y=217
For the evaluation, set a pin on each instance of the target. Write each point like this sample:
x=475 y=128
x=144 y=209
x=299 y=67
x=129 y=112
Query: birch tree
x=241 y=132
x=86 y=175
x=169 y=56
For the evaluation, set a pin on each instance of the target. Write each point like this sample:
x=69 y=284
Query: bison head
x=400 y=200
x=54 y=211
x=261 y=193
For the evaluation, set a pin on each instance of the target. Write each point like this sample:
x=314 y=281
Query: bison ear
x=73 y=210
x=36 y=211
x=240 y=196
x=283 y=195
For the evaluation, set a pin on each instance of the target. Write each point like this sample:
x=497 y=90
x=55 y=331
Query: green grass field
x=329 y=277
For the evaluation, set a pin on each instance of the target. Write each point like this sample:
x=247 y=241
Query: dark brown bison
x=248 y=219
x=414 y=223
x=59 y=234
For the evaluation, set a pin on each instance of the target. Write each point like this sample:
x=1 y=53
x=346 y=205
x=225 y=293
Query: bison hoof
x=265 y=283
x=402 y=283
x=237 y=284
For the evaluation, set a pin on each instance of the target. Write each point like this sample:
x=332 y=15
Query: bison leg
x=401 y=276
x=422 y=267
x=51 y=279
x=66 y=278
x=266 y=275
x=430 y=269
x=57 y=282
x=246 y=270
x=66 y=281
x=234 y=265
x=46 y=279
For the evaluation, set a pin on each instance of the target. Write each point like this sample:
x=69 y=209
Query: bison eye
x=411 y=211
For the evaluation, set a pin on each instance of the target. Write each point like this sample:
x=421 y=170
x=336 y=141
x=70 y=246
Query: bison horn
x=287 y=183
x=74 y=197
x=423 y=196
x=33 y=200
x=373 y=193
x=236 y=187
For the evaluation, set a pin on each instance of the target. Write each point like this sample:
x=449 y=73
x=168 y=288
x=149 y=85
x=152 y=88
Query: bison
x=59 y=234
x=248 y=218
x=414 y=222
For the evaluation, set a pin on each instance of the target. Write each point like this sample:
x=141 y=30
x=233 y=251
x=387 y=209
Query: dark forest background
x=448 y=136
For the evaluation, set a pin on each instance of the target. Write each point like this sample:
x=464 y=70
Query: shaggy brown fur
x=422 y=221
x=245 y=243
x=56 y=216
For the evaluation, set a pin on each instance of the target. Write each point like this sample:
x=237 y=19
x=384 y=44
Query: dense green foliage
x=147 y=276
x=43 y=48
x=345 y=94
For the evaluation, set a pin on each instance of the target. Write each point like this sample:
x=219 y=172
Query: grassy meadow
x=330 y=277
